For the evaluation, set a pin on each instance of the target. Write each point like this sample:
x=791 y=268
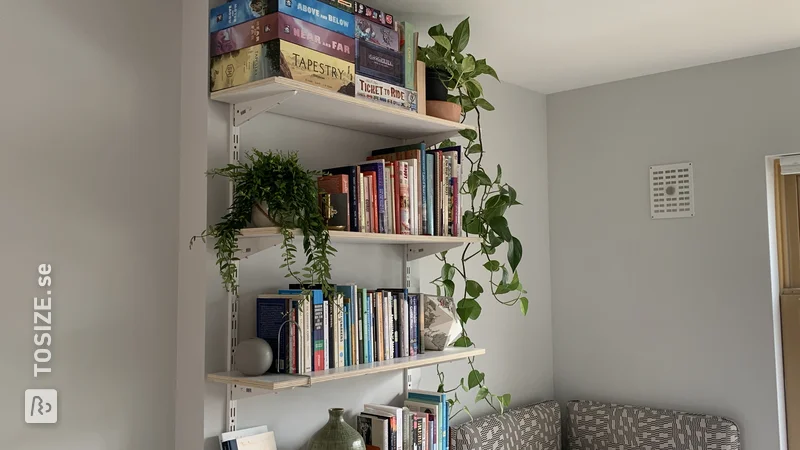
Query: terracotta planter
x=444 y=110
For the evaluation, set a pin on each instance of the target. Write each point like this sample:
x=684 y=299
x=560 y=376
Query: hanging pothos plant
x=484 y=214
x=287 y=193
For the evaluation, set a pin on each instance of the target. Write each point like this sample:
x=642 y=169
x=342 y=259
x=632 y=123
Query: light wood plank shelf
x=254 y=240
x=331 y=108
x=276 y=382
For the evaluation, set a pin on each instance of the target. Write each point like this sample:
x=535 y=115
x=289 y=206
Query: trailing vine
x=490 y=198
x=289 y=192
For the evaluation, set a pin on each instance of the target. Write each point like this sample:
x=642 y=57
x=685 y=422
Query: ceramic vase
x=336 y=434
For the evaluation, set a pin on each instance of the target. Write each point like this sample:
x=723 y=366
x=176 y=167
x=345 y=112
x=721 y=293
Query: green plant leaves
x=448 y=271
x=468 y=309
x=474 y=88
x=492 y=266
x=481 y=102
x=514 y=253
x=461 y=36
x=467 y=66
x=443 y=41
x=482 y=393
x=475 y=378
x=474 y=148
x=505 y=400
x=468 y=134
x=437 y=30
x=499 y=225
x=495 y=206
x=449 y=287
x=471 y=223
x=474 y=289
x=463 y=341
x=482 y=178
x=523 y=305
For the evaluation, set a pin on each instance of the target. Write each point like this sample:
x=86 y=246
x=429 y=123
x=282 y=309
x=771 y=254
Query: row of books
x=399 y=190
x=422 y=424
x=356 y=326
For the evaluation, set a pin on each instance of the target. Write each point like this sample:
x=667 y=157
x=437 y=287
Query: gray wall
x=672 y=313
x=88 y=175
x=519 y=350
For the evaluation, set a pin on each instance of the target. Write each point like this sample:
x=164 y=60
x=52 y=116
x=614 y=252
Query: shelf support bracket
x=245 y=111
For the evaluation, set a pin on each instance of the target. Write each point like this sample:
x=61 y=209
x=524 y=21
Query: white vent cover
x=671 y=191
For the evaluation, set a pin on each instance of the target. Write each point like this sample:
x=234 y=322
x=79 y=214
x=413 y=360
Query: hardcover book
x=377 y=167
x=316 y=306
x=408 y=46
x=374 y=430
x=380 y=63
x=376 y=34
x=286 y=27
x=352 y=173
x=337 y=185
x=259 y=438
x=316 y=12
x=285 y=59
x=272 y=313
x=373 y=14
x=381 y=92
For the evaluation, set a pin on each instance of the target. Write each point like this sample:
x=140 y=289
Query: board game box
x=377 y=34
x=285 y=59
x=288 y=28
x=373 y=14
x=314 y=11
x=381 y=92
x=344 y=5
x=380 y=63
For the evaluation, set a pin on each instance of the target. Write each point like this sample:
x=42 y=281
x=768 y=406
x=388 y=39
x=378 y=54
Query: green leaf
x=448 y=271
x=471 y=224
x=474 y=88
x=475 y=148
x=492 y=265
x=505 y=400
x=440 y=388
x=523 y=305
x=443 y=41
x=463 y=341
x=494 y=239
x=468 y=65
x=499 y=225
x=504 y=280
x=482 y=393
x=514 y=253
x=496 y=205
x=475 y=378
x=499 y=174
x=474 y=289
x=481 y=102
x=483 y=179
x=468 y=134
x=468 y=309
x=461 y=36
x=473 y=182
x=464 y=386
x=512 y=196
x=437 y=30
x=449 y=287
x=514 y=285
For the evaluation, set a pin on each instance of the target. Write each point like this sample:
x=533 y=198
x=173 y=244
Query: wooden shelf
x=276 y=382
x=254 y=240
x=331 y=108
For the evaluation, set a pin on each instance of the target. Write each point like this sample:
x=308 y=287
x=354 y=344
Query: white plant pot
x=259 y=218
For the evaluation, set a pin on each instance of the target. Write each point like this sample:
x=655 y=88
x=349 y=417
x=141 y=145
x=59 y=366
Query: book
x=272 y=312
x=352 y=173
x=396 y=421
x=374 y=430
x=404 y=196
x=429 y=194
x=432 y=399
x=415 y=202
x=408 y=45
x=388 y=183
x=413 y=324
x=318 y=322
x=336 y=185
x=368 y=207
x=377 y=167
x=346 y=334
x=258 y=438
x=413 y=151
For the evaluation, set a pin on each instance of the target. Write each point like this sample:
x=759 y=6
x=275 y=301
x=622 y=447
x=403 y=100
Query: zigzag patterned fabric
x=607 y=426
x=534 y=427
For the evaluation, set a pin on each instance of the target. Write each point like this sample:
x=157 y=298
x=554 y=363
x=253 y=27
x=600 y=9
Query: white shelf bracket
x=245 y=111
x=417 y=251
x=431 y=139
x=250 y=246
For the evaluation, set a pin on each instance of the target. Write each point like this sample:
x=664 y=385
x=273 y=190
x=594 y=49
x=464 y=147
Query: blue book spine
x=232 y=13
x=364 y=310
x=429 y=164
x=271 y=313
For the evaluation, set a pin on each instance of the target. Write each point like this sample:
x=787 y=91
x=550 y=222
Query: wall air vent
x=671 y=191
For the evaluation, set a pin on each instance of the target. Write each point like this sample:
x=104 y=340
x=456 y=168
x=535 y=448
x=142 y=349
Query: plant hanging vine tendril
x=490 y=198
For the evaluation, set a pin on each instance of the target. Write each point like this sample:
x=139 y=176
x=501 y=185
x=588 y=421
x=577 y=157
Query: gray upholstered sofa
x=596 y=426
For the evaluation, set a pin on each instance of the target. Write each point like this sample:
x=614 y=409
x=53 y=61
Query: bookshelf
x=290 y=98
x=254 y=240
x=277 y=382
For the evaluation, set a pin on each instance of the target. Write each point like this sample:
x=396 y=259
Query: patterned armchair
x=534 y=427
x=606 y=426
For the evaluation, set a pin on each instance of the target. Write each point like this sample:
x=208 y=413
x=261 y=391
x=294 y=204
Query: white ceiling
x=556 y=45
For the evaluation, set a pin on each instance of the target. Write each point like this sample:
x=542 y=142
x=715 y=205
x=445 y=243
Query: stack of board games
x=311 y=41
x=386 y=55
x=409 y=189
x=310 y=332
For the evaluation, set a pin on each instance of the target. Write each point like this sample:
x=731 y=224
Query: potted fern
x=273 y=186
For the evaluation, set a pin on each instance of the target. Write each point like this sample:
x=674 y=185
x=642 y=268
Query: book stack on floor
x=306 y=40
x=422 y=424
x=258 y=438
x=357 y=326
x=399 y=190
x=386 y=59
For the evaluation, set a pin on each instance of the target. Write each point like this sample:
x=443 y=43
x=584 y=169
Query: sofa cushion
x=607 y=426
x=534 y=427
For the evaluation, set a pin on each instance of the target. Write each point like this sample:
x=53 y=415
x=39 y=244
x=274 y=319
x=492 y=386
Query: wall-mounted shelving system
x=290 y=98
